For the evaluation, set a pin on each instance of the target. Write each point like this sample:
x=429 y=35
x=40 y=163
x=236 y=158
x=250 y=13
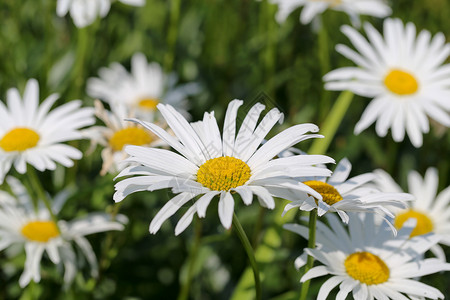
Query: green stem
x=311 y=244
x=251 y=255
x=184 y=293
x=332 y=123
x=41 y=194
x=172 y=34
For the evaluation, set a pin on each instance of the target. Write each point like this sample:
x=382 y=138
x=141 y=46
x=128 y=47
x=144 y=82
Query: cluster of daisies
x=374 y=245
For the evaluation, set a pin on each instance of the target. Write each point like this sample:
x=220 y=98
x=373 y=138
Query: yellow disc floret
x=40 y=231
x=329 y=194
x=129 y=136
x=148 y=103
x=401 y=82
x=223 y=173
x=19 y=139
x=367 y=268
x=424 y=224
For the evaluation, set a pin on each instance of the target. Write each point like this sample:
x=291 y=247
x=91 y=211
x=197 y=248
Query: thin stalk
x=251 y=255
x=172 y=34
x=311 y=244
x=193 y=255
x=332 y=123
x=41 y=194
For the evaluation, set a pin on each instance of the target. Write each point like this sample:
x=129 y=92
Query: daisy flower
x=430 y=209
x=116 y=134
x=142 y=89
x=208 y=164
x=403 y=74
x=313 y=8
x=341 y=195
x=85 y=12
x=21 y=224
x=31 y=133
x=369 y=262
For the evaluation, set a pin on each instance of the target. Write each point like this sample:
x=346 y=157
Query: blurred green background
x=234 y=49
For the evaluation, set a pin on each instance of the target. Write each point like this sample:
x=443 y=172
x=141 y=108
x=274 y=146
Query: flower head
x=116 y=135
x=341 y=194
x=312 y=8
x=430 y=209
x=209 y=164
x=21 y=224
x=142 y=89
x=85 y=12
x=31 y=133
x=404 y=75
x=369 y=262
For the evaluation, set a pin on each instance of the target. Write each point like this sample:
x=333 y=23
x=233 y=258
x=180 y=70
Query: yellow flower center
x=19 y=139
x=424 y=224
x=223 y=173
x=329 y=194
x=401 y=82
x=148 y=103
x=129 y=136
x=367 y=268
x=40 y=231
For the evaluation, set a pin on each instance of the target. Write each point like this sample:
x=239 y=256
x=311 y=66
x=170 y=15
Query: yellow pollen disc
x=367 y=268
x=424 y=224
x=401 y=82
x=129 y=136
x=40 y=231
x=329 y=194
x=223 y=173
x=148 y=103
x=19 y=139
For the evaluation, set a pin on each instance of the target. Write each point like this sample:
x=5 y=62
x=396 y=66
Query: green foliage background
x=235 y=49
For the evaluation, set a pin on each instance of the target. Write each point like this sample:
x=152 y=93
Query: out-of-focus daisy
x=341 y=195
x=116 y=134
x=21 y=224
x=209 y=164
x=142 y=89
x=404 y=75
x=430 y=209
x=31 y=133
x=85 y=12
x=312 y=8
x=369 y=261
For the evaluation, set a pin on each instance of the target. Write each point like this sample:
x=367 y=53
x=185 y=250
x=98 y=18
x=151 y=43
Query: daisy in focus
x=341 y=194
x=21 y=224
x=430 y=209
x=209 y=164
x=31 y=133
x=404 y=74
x=142 y=89
x=116 y=134
x=313 y=8
x=369 y=262
x=85 y=12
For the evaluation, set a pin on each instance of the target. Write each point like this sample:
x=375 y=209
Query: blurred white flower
x=312 y=8
x=341 y=194
x=430 y=209
x=21 y=224
x=404 y=75
x=116 y=134
x=142 y=89
x=31 y=133
x=210 y=165
x=85 y=12
x=369 y=261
